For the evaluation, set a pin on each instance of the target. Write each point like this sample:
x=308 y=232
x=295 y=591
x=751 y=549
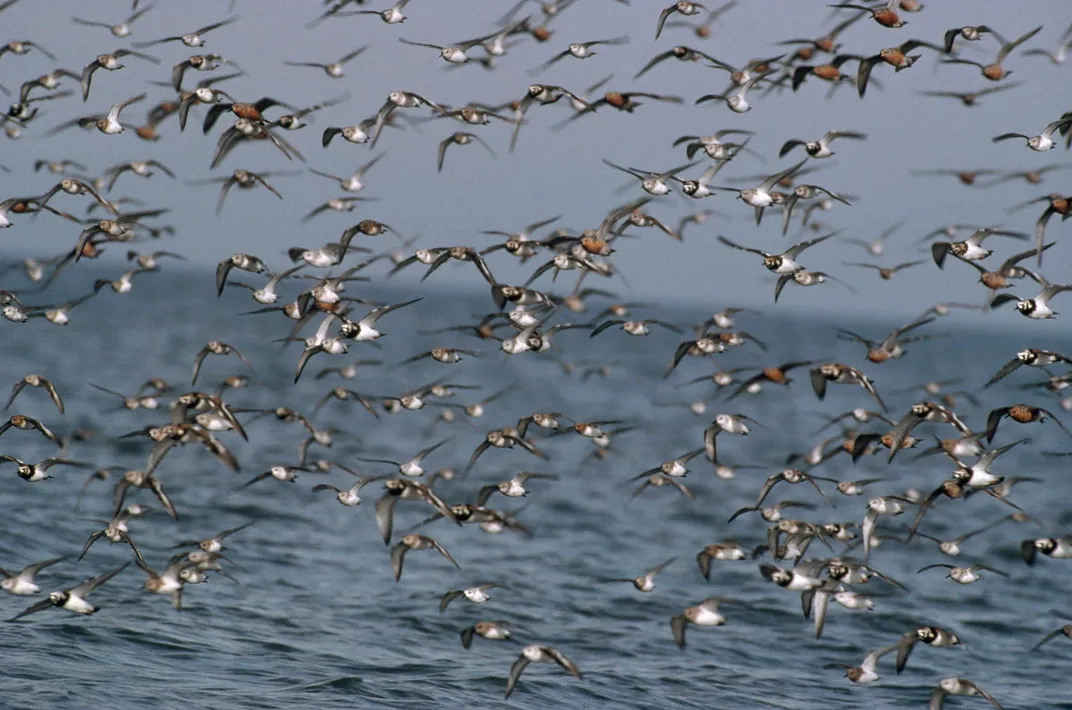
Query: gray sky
x=562 y=173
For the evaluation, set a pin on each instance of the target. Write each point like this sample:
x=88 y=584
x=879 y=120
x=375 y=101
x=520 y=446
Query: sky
x=561 y=172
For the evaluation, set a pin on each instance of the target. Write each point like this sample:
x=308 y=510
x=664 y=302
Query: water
x=316 y=618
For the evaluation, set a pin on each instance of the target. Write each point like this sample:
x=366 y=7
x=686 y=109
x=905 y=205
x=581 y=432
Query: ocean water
x=314 y=617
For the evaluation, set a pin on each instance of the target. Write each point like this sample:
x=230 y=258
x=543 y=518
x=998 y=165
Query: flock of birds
x=524 y=318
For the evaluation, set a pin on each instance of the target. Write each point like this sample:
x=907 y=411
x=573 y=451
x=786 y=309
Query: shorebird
x=332 y=69
x=109 y=125
x=761 y=197
x=454 y=54
x=120 y=29
x=581 y=50
x=190 y=39
x=866 y=672
x=73 y=599
x=535 y=653
x=1037 y=308
x=958 y=686
x=821 y=147
x=736 y=100
x=109 y=62
x=681 y=7
x=23 y=583
x=1043 y=141
x=392 y=15
x=705 y=613
x=994 y=71
x=898 y=57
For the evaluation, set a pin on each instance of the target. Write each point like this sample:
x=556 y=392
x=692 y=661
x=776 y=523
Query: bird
x=680 y=52
x=120 y=29
x=443 y=355
x=892 y=346
x=244 y=179
x=190 y=39
x=970 y=249
x=784 y=263
x=501 y=439
x=34 y=380
x=414 y=541
x=771 y=514
x=646 y=582
x=1059 y=55
x=73 y=599
x=1037 y=308
x=216 y=347
x=791 y=476
x=736 y=100
x=653 y=183
x=705 y=613
x=793 y=579
x=1043 y=141
x=170 y=582
x=492 y=630
x=1065 y=630
x=535 y=653
x=513 y=487
x=109 y=125
x=958 y=686
x=659 y=480
x=392 y=15
x=886 y=272
x=23 y=582
x=933 y=636
x=898 y=57
x=830 y=72
x=245 y=262
x=952 y=547
x=25 y=423
x=971 y=33
x=776 y=374
x=964 y=575
x=971 y=99
x=682 y=7
x=109 y=62
x=1057 y=548
x=759 y=197
x=1057 y=204
x=453 y=54
x=215 y=543
x=141 y=168
x=478 y=594
x=353 y=183
x=403 y=489
x=582 y=50
x=32 y=473
x=1022 y=414
x=332 y=69
x=459 y=138
x=412 y=467
x=279 y=473
x=820 y=148
x=841 y=374
x=866 y=672
x=357 y=133
x=634 y=328
x=995 y=71
x=886 y=16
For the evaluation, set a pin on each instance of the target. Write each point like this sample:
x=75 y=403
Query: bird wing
x=515 y=672
x=90 y=584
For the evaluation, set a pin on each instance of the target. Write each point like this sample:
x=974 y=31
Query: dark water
x=317 y=619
